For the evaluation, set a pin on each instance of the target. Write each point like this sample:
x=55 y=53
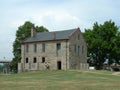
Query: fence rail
x=5 y=61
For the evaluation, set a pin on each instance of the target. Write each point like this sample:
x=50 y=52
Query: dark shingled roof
x=47 y=36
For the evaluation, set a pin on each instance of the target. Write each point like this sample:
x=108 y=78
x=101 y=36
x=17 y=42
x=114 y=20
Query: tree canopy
x=23 y=32
x=103 y=44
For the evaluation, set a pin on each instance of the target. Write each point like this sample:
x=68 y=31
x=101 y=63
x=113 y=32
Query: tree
x=103 y=44
x=23 y=32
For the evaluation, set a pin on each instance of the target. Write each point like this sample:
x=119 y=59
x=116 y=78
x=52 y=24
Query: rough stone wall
x=69 y=57
x=20 y=67
x=50 y=56
x=77 y=56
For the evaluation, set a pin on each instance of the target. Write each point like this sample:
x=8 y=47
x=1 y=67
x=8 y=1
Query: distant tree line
x=103 y=44
x=22 y=33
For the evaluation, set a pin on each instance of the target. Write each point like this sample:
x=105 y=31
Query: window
x=35 y=47
x=58 y=49
x=75 y=48
x=78 y=50
x=82 y=49
x=27 y=48
x=78 y=36
x=43 y=47
x=34 y=60
x=58 y=46
x=43 y=59
x=26 y=60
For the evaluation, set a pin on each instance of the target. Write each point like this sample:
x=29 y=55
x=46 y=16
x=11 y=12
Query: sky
x=54 y=15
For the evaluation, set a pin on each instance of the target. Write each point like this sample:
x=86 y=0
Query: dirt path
x=116 y=73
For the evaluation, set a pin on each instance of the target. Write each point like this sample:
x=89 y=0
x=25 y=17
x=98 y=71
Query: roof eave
x=45 y=41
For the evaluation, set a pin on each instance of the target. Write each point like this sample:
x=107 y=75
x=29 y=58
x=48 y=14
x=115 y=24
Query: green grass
x=61 y=80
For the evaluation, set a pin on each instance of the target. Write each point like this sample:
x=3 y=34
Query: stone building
x=58 y=50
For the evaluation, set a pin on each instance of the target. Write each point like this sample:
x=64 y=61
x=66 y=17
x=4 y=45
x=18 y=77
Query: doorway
x=59 y=65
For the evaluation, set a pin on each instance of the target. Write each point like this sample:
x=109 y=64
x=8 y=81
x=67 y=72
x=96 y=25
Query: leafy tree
x=23 y=32
x=103 y=44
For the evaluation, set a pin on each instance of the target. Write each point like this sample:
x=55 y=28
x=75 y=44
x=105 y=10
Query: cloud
x=53 y=18
x=54 y=15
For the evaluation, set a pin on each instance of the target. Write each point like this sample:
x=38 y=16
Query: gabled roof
x=48 y=36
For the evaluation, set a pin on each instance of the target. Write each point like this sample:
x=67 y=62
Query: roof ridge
x=46 y=36
x=59 y=30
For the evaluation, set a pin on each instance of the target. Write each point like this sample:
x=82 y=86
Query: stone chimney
x=33 y=32
x=54 y=35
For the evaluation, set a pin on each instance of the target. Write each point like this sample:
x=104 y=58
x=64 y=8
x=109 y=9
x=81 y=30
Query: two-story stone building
x=58 y=50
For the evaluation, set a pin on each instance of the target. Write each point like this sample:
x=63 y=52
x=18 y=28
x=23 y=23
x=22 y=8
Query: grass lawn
x=61 y=80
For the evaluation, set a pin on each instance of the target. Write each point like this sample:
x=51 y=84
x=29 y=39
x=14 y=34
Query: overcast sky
x=54 y=15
